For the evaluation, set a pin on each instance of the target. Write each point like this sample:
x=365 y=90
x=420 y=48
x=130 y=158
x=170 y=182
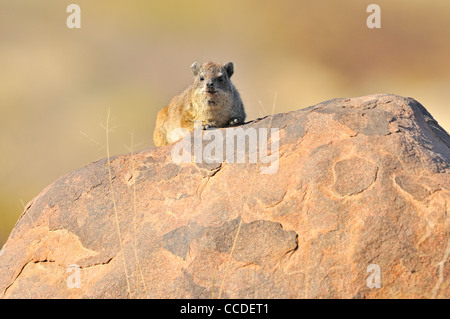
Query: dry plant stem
x=134 y=220
x=229 y=258
x=114 y=204
x=240 y=222
x=441 y=271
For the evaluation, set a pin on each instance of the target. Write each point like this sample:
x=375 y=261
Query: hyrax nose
x=209 y=84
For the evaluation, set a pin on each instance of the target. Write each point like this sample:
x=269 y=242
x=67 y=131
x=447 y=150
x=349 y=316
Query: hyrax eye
x=202 y=78
x=220 y=78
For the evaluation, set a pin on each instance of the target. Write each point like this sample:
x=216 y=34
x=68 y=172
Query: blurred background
x=56 y=84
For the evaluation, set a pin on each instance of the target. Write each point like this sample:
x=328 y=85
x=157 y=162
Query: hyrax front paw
x=206 y=127
x=234 y=121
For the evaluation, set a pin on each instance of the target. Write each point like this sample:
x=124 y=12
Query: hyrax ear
x=229 y=67
x=195 y=67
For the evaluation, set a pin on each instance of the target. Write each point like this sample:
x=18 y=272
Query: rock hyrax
x=211 y=100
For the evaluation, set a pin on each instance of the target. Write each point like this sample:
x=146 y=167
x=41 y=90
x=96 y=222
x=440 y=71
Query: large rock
x=362 y=185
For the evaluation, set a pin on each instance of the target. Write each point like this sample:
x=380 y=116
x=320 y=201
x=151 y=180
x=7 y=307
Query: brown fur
x=212 y=100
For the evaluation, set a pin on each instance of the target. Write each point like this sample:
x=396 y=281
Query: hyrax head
x=212 y=77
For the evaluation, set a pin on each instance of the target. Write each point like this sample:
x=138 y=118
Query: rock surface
x=360 y=182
